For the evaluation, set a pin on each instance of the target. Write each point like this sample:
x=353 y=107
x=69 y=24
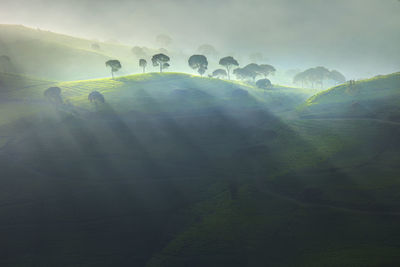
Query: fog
x=358 y=37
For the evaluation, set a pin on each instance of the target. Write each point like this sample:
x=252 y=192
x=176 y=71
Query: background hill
x=60 y=57
x=378 y=98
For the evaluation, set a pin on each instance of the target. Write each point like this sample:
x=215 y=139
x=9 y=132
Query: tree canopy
x=115 y=66
x=96 y=97
x=53 y=94
x=199 y=63
x=160 y=60
x=219 y=73
x=228 y=62
x=143 y=64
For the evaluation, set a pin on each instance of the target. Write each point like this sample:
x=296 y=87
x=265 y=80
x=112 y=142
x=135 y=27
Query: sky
x=359 y=37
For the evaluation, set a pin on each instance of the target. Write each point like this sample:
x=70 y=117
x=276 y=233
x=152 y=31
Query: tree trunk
x=160 y=67
x=112 y=74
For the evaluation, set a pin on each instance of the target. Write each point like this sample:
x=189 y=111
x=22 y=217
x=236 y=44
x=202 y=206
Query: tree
x=337 y=77
x=96 y=97
x=115 y=66
x=312 y=75
x=243 y=73
x=163 y=40
x=219 y=73
x=253 y=70
x=139 y=52
x=207 y=49
x=53 y=94
x=143 y=64
x=264 y=84
x=199 y=63
x=160 y=60
x=228 y=63
x=266 y=70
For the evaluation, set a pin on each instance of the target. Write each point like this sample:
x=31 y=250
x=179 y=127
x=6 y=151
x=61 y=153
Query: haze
x=359 y=37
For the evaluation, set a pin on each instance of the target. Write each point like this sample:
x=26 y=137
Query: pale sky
x=361 y=37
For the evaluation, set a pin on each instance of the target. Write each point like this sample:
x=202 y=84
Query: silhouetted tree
x=312 y=75
x=53 y=94
x=219 y=73
x=242 y=74
x=228 y=63
x=143 y=64
x=337 y=77
x=199 y=63
x=264 y=84
x=115 y=66
x=253 y=70
x=266 y=70
x=160 y=60
x=96 y=97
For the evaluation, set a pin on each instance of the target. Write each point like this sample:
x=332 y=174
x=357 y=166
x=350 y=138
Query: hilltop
x=56 y=56
x=378 y=98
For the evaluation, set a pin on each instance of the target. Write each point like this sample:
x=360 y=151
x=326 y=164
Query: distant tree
x=115 y=66
x=166 y=66
x=207 y=49
x=53 y=94
x=243 y=73
x=95 y=46
x=228 y=63
x=199 y=63
x=253 y=70
x=313 y=75
x=143 y=64
x=160 y=60
x=219 y=73
x=337 y=77
x=163 y=40
x=96 y=97
x=264 y=84
x=256 y=57
x=266 y=70
x=139 y=52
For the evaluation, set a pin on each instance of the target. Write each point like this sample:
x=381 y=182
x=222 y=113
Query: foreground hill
x=177 y=170
x=378 y=98
x=59 y=57
x=151 y=93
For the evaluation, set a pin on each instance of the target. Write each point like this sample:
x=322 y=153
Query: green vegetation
x=373 y=98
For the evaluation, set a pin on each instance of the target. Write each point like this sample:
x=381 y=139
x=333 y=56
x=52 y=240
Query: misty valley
x=153 y=152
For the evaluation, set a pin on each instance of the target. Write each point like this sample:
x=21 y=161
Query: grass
x=377 y=97
x=177 y=170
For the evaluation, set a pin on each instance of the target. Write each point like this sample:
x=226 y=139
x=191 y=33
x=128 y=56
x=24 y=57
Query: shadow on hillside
x=124 y=187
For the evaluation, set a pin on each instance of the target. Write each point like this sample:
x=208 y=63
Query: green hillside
x=59 y=57
x=179 y=170
x=378 y=98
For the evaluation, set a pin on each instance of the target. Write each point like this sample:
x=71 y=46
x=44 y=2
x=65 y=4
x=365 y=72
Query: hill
x=377 y=98
x=59 y=57
x=178 y=170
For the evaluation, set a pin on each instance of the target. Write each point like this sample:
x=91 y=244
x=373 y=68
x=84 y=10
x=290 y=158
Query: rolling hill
x=377 y=98
x=56 y=56
x=178 y=170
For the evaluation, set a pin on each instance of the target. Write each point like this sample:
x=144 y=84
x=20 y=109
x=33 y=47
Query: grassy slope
x=227 y=188
x=378 y=97
x=58 y=57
